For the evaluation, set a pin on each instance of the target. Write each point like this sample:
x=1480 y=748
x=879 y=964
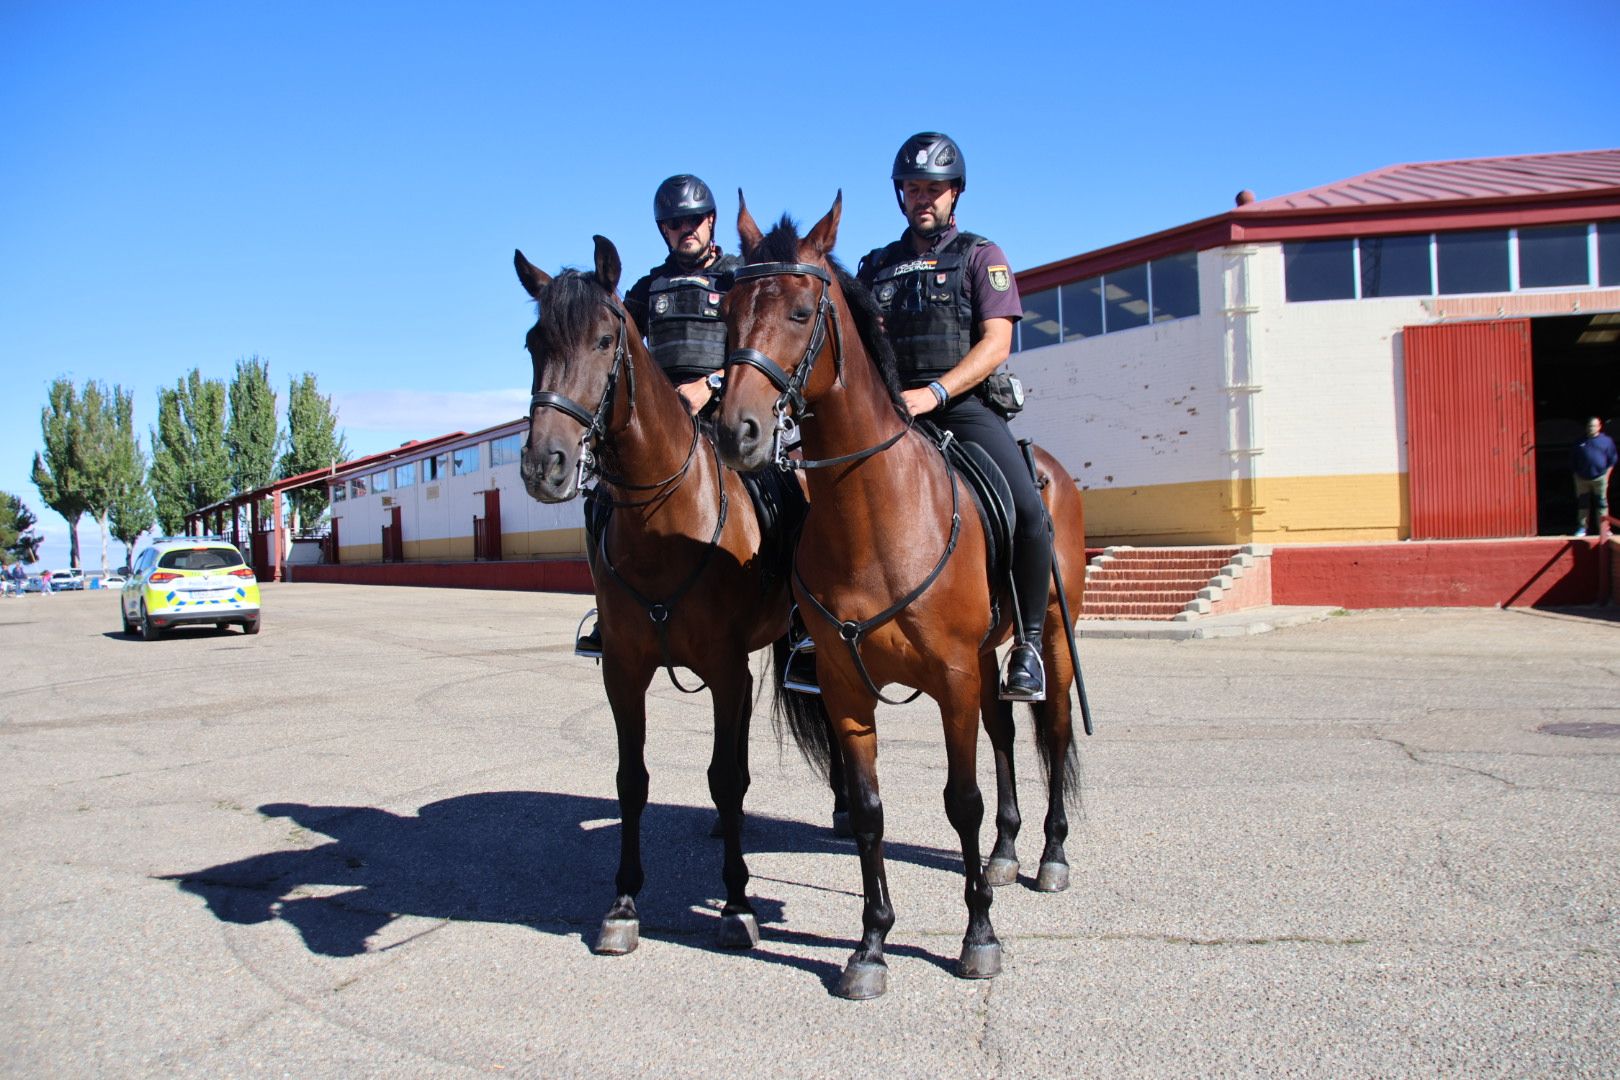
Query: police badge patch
x=885 y=292
x=661 y=305
x=1000 y=279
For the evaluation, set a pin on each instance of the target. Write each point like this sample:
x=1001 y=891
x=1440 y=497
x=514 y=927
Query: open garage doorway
x=1575 y=365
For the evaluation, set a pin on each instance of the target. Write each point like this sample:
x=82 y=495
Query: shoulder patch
x=1000 y=278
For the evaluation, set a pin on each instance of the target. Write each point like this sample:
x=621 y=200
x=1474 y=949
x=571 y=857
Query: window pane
x=1125 y=299
x=200 y=559
x=1039 y=325
x=1554 y=255
x=434 y=467
x=379 y=481
x=1082 y=309
x=1471 y=262
x=360 y=487
x=1175 y=286
x=464 y=461
x=504 y=451
x=1608 y=252
x=340 y=492
x=1319 y=270
x=405 y=475
x=1395 y=265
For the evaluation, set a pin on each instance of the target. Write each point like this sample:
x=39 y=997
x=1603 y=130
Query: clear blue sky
x=338 y=187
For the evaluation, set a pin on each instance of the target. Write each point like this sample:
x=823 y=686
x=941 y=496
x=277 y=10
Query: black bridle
x=791 y=405
x=595 y=423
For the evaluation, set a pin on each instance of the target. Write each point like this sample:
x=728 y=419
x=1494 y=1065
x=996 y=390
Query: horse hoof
x=1001 y=871
x=618 y=936
x=1054 y=877
x=841 y=825
x=863 y=980
x=739 y=930
x=980 y=961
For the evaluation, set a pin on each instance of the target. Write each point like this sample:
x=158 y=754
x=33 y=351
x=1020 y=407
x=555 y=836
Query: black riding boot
x=1025 y=677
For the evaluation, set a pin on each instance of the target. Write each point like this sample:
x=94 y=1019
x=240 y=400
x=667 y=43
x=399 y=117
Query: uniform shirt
x=988 y=280
x=636 y=300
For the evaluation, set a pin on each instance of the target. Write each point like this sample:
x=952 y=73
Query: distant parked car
x=112 y=581
x=67 y=580
x=189 y=580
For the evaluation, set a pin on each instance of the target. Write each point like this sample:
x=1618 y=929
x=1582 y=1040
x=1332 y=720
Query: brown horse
x=891 y=567
x=680 y=578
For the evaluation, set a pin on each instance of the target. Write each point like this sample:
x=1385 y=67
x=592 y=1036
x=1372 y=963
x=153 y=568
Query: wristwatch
x=715 y=381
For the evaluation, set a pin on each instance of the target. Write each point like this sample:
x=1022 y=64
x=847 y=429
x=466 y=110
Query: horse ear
x=824 y=236
x=534 y=279
x=607 y=264
x=747 y=228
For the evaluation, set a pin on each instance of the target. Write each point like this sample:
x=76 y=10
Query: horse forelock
x=568 y=309
x=781 y=244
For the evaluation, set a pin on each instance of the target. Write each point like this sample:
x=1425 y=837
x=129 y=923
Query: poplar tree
x=190 y=465
x=96 y=450
x=250 y=430
x=58 y=470
x=18 y=541
x=313 y=442
x=129 y=511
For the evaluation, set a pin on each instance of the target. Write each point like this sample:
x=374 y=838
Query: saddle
x=992 y=496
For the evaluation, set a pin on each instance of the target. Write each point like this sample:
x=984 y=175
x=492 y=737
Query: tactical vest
x=925 y=305
x=684 y=328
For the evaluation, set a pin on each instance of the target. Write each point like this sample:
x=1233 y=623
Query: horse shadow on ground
x=537 y=859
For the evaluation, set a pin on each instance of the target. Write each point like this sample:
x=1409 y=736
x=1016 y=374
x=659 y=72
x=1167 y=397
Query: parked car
x=67 y=580
x=189 y=580
x=112 y=581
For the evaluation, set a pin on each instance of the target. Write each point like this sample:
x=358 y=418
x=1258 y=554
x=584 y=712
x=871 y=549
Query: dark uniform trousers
x=970 y=420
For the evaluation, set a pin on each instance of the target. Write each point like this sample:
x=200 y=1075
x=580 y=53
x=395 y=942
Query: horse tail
x=1070 y=764
x=804 y=715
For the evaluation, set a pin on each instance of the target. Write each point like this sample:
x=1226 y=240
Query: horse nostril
x=748 y=431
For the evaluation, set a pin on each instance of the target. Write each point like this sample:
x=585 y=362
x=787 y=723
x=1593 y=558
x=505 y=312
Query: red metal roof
x=1525 y=177
x=1478 y=193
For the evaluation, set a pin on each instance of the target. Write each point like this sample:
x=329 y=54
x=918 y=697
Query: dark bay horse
x=679 y=574
x=891 y=567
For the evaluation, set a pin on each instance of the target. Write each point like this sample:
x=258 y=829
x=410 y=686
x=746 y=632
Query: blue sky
x=338 y=187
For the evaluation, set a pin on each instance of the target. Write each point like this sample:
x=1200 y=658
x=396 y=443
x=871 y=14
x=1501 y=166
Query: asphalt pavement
x=376 y=840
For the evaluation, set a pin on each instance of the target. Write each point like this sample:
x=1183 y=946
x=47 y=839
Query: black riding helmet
x=928 y=155
x=682 y=196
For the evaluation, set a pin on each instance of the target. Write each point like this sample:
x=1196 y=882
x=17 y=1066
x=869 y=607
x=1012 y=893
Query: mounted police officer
x=949 y=303
x=677 y=307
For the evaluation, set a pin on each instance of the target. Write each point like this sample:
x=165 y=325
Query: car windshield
x=200 y=558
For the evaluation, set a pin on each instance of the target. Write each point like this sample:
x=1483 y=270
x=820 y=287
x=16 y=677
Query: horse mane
x=781 y=244
x=567 y=312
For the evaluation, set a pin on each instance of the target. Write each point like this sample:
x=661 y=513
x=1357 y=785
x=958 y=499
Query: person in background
x=1592 y=461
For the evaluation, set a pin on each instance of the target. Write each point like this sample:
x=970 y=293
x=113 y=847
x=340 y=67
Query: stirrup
x=1008 y=693
x=588 y=645
x=799 y=639
x=800 y=675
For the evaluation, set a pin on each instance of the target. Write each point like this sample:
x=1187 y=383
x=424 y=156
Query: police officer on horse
x=949 y=303
x=677 y=307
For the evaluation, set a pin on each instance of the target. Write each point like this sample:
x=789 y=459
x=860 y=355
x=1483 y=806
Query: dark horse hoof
x=980 y=961
x=863 y=980
x=739 y=930
x=841 y=825
x=1001 y=871
x=618 y=936
x=1054 y=877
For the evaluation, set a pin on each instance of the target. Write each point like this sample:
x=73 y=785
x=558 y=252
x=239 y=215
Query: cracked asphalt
x=376 y=840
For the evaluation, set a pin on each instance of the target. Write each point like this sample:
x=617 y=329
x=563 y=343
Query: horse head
x=578 y=348
x=780 y=318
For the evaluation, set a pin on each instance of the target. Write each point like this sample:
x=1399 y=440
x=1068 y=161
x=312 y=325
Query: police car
x=189 y=580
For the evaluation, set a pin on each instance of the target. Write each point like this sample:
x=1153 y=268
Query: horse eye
x=605 y=342
x=801 y=314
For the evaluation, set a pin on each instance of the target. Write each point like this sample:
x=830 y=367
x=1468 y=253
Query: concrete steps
x=1165 y=583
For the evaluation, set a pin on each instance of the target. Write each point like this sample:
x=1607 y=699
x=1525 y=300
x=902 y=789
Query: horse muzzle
x=551 y=473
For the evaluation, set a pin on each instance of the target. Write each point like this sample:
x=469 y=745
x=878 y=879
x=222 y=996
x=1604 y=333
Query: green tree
x=313 y=442
x=190 y=465
x=18 y=541
x=250 y=428
x=58 y=470
x=96 y=451
x=129 y=511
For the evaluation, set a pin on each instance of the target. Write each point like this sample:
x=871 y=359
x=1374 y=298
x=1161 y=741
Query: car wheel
x=129 y=627
x=251 y=626
x=149 y=630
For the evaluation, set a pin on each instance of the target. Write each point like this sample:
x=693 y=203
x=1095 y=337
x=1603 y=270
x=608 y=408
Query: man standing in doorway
x=1592 y=461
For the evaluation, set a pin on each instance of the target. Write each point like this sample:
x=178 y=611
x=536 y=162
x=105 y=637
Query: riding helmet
x=928 y=155
x=682 y=196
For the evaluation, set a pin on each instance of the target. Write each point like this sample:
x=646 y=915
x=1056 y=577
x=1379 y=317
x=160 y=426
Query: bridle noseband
x=595 y=424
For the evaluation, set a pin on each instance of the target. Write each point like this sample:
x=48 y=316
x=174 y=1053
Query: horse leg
x=626 y=691
x=1054 y=728
x=718 y=829
x=866 y=975
x=964 y=806
x=728 y=781
x=998 y=724
x=840 y=788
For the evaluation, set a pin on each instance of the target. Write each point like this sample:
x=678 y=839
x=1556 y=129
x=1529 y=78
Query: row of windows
x=460 y=462
x=1442 y=264
x=1146 y=293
